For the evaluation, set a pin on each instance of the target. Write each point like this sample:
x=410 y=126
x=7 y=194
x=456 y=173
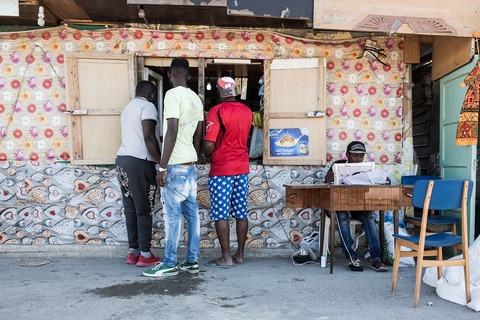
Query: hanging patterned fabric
x=467 y=128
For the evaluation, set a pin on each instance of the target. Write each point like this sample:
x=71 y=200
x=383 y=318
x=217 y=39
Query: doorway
x=426 y=111
x=204 y=75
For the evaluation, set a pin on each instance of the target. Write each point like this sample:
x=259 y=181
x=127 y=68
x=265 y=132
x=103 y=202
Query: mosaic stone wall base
x=55 y=204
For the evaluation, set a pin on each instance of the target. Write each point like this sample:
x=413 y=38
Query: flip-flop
x=214 y=264
x=234 y=260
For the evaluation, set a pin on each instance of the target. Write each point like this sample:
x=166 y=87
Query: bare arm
x=208 y=148
x=197 y=139
x=148 y=127
x=329 y=176
x=168 y=144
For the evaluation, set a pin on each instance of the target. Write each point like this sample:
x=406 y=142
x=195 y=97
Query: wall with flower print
x=47 y=201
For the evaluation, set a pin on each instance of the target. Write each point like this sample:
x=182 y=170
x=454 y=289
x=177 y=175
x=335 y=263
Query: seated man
x=355 y=153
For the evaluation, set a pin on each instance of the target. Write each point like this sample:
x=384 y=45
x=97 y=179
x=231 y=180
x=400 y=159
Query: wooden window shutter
x=99 y=87
x=450 y=53
x=294 y=98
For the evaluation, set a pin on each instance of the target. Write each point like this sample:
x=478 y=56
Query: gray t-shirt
x=133 y=143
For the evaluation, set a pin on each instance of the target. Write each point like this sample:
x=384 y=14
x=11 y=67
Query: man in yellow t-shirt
x=177 y=176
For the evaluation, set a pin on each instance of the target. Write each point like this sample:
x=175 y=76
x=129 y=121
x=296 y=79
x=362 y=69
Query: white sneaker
x=190 y=267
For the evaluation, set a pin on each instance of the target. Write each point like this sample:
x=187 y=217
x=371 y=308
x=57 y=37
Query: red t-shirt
x=228 y=125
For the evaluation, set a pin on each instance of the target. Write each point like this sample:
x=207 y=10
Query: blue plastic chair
x=448 y=194
x=433 y=220
x=410 y=180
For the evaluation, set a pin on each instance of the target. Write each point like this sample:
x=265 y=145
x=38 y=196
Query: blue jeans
x=179 y=197
x=371 y=233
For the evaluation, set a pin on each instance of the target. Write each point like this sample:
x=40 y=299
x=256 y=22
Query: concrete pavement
x=95 y=283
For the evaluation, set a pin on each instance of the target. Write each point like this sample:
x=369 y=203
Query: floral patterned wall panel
x=364 y=95
x=44 y=200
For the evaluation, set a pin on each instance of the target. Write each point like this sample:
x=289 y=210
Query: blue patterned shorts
x=228 y=194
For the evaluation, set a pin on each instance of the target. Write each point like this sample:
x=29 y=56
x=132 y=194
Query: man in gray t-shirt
x=136 y=172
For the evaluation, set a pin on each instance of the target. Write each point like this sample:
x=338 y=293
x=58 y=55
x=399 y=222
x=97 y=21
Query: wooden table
x=347 y=198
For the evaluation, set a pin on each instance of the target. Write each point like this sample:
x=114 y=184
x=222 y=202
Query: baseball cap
x=226 y=87
x=356 y=147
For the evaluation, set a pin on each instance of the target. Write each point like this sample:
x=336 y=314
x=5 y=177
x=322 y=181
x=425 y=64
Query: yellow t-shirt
x=185 y=105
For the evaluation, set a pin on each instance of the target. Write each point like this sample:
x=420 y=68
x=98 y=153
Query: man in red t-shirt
x=225 y=142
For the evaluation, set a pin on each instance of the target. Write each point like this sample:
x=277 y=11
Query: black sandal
x=379 y=266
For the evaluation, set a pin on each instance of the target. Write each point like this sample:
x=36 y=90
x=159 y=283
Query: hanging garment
x=467 y=128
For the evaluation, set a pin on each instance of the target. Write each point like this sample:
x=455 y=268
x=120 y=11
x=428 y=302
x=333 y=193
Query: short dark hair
x=144 y=88
x=180 y=63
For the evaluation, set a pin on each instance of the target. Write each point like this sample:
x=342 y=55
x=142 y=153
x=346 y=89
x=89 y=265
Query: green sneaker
x=161 y=270
x=190 y=267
